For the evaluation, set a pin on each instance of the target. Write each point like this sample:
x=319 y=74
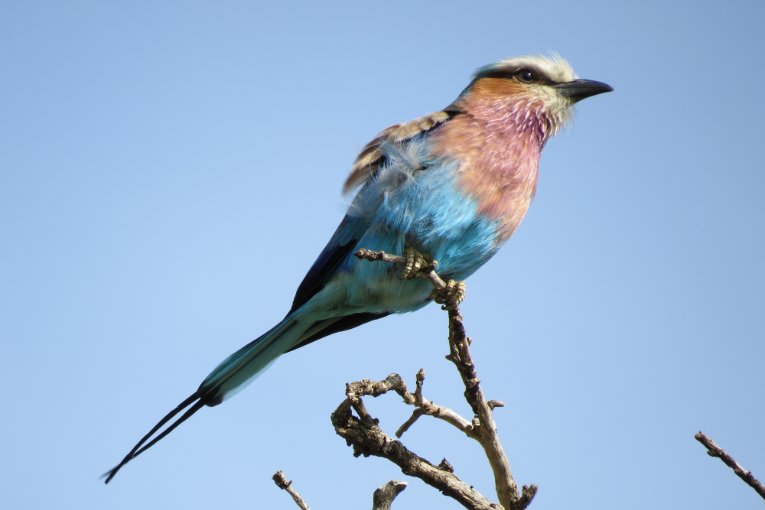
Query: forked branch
x=362 y=432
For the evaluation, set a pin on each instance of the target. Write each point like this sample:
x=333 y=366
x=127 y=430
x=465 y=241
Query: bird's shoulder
x=372 y=156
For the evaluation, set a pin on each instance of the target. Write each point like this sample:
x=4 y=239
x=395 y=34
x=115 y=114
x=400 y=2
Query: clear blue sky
x=169 y=170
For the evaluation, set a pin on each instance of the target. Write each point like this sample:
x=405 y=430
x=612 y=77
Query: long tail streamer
x=195 y=401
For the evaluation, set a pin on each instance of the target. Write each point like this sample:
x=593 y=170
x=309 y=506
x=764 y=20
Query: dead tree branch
x=714 y=450
x=281 y=481
x=385 y=494
x=362 y=432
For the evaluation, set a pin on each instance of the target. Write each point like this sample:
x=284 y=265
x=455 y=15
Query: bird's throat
x=498 y=150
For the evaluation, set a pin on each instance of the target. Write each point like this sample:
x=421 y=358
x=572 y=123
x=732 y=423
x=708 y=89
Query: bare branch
x=427 y=407
x=398 y=259
x=367 y=438
x=507 y=489
x=364 y=434
x=385 y=494
x=281 y=481
x=408 y=423
x=493 y=404
x=713 y=450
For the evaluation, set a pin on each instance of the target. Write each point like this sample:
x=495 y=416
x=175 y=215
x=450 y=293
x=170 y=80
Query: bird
x=452 y=185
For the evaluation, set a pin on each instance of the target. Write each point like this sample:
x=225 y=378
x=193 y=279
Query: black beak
x=579 y=89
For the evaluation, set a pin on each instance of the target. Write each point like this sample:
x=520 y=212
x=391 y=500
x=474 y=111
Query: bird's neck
x=497 y=144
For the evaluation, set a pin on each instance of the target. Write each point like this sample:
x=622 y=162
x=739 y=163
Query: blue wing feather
x=334 y=256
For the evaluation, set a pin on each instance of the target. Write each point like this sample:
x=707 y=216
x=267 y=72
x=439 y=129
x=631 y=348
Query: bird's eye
x=525 y=75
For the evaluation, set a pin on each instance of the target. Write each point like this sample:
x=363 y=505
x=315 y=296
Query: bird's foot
x=451 y=295
x=417 y=263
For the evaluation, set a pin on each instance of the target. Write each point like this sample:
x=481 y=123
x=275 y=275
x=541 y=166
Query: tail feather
x=196 y=403
x=227 y=378
x=239 y=369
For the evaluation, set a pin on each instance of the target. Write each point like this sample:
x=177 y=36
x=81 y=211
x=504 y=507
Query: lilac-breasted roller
x=454 y=184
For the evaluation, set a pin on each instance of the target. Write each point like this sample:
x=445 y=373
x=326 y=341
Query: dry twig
x=281 y=481
x=372 y=255
x=714 y=450
x=367 y=438
x=385 y=494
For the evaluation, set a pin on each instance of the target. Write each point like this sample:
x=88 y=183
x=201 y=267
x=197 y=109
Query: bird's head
x=529 y=92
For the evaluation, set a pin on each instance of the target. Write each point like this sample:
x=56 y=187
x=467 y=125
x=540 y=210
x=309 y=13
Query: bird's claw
x=451 y=295
x=417 y=263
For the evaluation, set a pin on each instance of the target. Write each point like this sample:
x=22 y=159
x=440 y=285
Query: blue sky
x=169 y=170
